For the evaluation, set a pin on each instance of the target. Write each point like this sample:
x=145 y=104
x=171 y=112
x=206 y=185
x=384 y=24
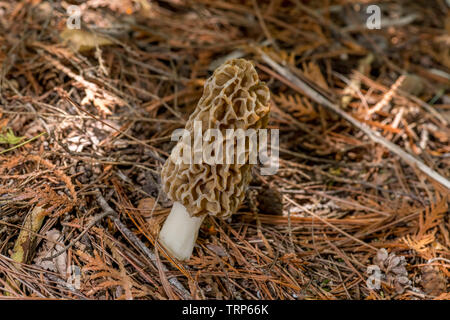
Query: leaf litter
x=86 y=117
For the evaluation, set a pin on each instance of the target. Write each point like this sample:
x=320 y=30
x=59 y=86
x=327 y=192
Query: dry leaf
x=52 y=245
x=24 y=243
x=146 y=205
x=433 y=281
x=82 y=40
x=312 y=71
x=217 y=250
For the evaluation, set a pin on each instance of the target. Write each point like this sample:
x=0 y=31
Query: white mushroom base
x=179 y=232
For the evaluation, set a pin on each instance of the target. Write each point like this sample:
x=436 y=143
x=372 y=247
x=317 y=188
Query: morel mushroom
x=233 y=98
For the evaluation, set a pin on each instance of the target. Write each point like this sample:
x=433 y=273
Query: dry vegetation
x=86 y=118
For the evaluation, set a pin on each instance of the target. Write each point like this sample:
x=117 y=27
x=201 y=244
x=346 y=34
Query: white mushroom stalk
x=233 y=98
x=180 y=231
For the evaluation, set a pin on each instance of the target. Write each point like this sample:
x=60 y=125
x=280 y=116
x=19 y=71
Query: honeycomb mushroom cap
x=233 y=98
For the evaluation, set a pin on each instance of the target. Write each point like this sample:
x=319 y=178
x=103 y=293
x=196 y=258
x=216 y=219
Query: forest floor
x=358 y=208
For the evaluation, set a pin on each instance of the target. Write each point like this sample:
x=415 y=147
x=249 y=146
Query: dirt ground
x=358 y=208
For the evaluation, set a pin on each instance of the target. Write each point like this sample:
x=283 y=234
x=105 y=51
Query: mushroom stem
x=179 y=232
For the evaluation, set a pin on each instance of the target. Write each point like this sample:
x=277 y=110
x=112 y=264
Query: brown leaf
x=82 y=40
x=433 y=281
